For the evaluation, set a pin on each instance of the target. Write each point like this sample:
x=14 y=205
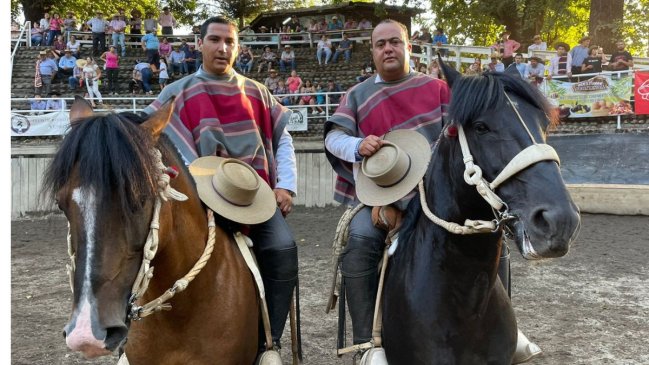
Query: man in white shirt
x=287 y=58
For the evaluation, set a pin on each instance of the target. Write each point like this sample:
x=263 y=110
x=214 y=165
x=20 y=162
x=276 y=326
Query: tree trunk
x=34 y=10
x=605 y=23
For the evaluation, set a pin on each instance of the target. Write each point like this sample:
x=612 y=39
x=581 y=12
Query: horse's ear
x=449 y=72
x=80 y=109
x=159 y=120
x=511 y=70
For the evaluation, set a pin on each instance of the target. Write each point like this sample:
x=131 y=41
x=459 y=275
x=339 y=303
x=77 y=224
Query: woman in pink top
x=165 y=49
x=506 y=47
x=55 y=26
x=112 y=69
x=294 y=82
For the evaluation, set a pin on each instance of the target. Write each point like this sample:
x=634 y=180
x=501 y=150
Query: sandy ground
x=590 y=307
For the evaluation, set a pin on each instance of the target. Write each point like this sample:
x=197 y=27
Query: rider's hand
x=284 y=200
x=370 y=145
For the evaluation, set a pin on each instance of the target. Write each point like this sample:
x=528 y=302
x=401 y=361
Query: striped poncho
x=227 y=116
x=374 y=108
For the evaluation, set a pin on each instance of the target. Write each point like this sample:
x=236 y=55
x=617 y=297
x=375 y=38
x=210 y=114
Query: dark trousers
x=147 y=74
x=508 y=61
x=98 y=43
x=111 y=74
x=167 y=30
x=63 y=75
x=44 y=90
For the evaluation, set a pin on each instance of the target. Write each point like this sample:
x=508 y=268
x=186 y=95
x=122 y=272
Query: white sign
x=298 y=120
x=47 y=124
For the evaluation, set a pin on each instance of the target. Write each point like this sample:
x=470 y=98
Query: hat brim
x=261 y=210
x=420 y=152
x=81 y=63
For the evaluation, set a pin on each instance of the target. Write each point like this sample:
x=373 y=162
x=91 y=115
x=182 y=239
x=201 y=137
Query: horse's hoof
x=525 y=350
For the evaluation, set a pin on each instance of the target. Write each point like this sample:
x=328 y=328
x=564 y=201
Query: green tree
x=605 y=25
x=635 y=27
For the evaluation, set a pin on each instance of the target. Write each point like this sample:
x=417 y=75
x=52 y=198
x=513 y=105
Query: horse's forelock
x=112 y=155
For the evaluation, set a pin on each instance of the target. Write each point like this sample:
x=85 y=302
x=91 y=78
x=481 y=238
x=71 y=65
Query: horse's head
x=104 y=179
x=501 y=115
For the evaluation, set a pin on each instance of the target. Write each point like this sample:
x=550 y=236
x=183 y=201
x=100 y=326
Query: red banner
x=641 y=92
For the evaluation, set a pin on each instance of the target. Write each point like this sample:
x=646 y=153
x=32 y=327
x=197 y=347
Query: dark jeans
x=111 y=74
x=152 y=56
x=98 y=43
x=167 y=30
x=63 y=75
x=51 y=36
x=147 y=74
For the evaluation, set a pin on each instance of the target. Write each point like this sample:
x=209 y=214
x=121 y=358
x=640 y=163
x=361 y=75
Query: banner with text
x=641 y=92
x=47 y=124
x=298 y=120
x=599 y=96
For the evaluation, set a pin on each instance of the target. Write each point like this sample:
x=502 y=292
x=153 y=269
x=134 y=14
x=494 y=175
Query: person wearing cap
x=76 y=80
x=344 y=47
x=98 y=27
x=66 y=66
x=167 y=21
x=537 y=45
x=287 y=59
x=356 y=132
x=272 y=80
x=535 y=70
x=506 y=47
x=335 y=24
x=47 y=69
x=118 y=27
x=226 y=114
x=579 y=54
x=267 y=59
x=177 y=58
x=561 y=64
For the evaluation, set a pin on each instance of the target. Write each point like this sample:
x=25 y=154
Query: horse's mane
x=476 y=95
x=113 y=156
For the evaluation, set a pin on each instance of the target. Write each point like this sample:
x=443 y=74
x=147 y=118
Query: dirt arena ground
x=590 y=307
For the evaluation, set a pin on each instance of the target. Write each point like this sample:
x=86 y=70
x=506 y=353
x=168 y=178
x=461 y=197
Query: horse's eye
x=480 y=128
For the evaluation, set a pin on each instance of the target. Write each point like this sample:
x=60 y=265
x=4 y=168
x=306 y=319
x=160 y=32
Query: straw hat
x=42 y=53
x=395 y=169
x=81 y=63
x=562 y=44
x=232 y=189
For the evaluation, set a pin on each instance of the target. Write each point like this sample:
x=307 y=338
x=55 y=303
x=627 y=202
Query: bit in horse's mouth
x=522 y=239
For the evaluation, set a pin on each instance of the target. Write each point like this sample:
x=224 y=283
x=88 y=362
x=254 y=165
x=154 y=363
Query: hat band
x=238 y=204
x=402 y=176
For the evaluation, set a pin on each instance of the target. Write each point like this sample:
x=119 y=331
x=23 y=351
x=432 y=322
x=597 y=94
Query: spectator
x=425 y=36
x=308 y=97
x=561 y=64
x=495 y=65
x=165 y=49
x=58 y=47
x=177 y=59
x=69 y=24
x=56 y=103
x=246 y=34
x=150 y=44
x=335 y=24
x=332 y=87
x=350 y=23
x=518 y=63
x=294 y=83
x=118 y=27
x=287 y=59
x=535 y=70
x=136 y=24
x=320 y=98
x=579 y=54
x=56 y=23
x=282 y=93
x=76 y=80
x=167 y=21
x=262 y=38
x=267 y=59
x=47 y=70
x=196 y=29
x=163 y=76
x=324 y=49
x=150 y=24
x=592 y=63
x=433 y=70
x=506 y=47
x=366 y=73
x=66 y=66
x=142 y=72
x=98 y=28
x=245 y=60
x=365 y=24
x=37 y=34
x=344 y=47
x=537 y=45
x=475 y=68
x=191 y=56
x=111 y=58
x=423 y=68
x=294 y=25
x=37 y=104
x=74 y=46
x=620 y=59
x=91 y=76
x=414 y=41
x=440 y=39
x=45 y=28
x=272 y=80
x=315 y=26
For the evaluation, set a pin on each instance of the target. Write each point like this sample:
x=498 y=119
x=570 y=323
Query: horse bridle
x=145 y=273
x=531 y=155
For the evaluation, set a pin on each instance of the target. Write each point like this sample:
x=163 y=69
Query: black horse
x=443 y=301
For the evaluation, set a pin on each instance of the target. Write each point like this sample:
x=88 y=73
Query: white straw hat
x=395 y=169
x=233 y=189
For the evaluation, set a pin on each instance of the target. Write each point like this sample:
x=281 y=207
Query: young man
x=416 y=102
x=579 y=55
x=238 y=117
x=620 y=59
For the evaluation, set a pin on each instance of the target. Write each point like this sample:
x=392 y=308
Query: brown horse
x=106 y=180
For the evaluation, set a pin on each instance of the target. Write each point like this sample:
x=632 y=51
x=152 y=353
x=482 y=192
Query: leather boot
x=361 y=297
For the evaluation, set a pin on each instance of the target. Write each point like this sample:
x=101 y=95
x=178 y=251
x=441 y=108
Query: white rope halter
x=473 y=176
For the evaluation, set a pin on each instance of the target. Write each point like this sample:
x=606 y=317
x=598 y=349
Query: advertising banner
x=642 y=92
x=47 y=124
x=298 y=120
x=598 y=96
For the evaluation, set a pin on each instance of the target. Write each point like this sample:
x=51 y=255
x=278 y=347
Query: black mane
x=112 y=155
x=473 y=96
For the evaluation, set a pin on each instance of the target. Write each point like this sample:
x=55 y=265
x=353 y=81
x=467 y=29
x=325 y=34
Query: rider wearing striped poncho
x=218 y=112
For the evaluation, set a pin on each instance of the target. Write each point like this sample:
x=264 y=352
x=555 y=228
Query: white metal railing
x=25 y=31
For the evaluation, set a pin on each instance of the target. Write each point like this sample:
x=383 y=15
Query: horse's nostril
x=541 y=219
x=115 y=336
